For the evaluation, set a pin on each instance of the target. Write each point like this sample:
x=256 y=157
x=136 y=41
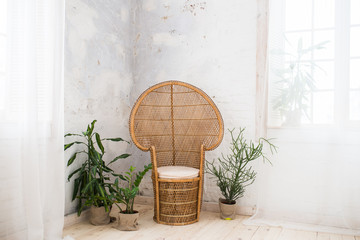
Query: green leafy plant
x=127 y=194
x=90 y=184
x=295 y=84
x=233 y=173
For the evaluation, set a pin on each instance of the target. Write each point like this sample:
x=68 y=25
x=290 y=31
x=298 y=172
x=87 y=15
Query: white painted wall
x=117 y=49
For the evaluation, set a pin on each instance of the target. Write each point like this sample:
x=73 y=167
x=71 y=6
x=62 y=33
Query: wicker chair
x=177 y=123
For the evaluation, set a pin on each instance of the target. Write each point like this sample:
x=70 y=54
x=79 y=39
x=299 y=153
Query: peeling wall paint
x=117 y=49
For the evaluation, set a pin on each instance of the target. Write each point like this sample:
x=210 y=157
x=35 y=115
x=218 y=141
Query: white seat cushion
x=177 y=172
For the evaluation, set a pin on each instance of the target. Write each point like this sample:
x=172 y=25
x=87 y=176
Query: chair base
x=175 y=224
x=178 y=201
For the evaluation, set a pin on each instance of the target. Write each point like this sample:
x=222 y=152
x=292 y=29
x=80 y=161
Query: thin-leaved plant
x=233 y=172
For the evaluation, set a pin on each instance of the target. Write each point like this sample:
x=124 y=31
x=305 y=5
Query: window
x=314 y=62
x=3 y=54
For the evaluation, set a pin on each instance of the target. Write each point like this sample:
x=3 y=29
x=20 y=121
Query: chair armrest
x=153 y=161
x=202 y=151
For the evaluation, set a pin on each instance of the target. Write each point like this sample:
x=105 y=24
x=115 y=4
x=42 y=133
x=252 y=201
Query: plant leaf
x=72 y=134
x=76 y=188
x=91 y=129
x=125 y=155
x=74 y=172
x=66 y=146
x=119 y=175
x=93 y=171
x=88 y=185
x=71 y=160
x=140 y=175
x=101 y=189
x=116 y=140
x=98 y=140
x=106 y=169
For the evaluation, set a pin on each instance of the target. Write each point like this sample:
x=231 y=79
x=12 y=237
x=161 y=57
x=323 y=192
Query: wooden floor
x=210 y=227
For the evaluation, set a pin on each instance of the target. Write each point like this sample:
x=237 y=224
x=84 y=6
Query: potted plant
x=90 y=184
x=233 y=173
x=295 y=84
x=128 y=217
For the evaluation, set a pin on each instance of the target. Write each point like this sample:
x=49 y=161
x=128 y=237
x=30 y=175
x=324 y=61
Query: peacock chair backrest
x=176 y=118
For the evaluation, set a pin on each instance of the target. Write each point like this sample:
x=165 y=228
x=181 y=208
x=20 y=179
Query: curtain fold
x=314 y=182
x=31 y=125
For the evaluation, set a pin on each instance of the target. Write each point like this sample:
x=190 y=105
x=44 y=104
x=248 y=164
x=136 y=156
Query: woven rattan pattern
x=176 y=119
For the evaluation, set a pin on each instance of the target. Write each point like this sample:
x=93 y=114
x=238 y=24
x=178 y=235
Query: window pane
x=355 y=7
x=2 y=54
x=324 y=13
x=354 y=42
x=354 y=105
x=292 y=45
x=2 y=92
x=326 y=39
x=323 y=107
x=298 y=14
x=324 y=75
x=355 y=73
x=3 y=16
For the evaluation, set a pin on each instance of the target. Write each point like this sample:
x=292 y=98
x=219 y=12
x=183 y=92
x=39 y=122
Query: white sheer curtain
x=31 y=119
x=314 y=182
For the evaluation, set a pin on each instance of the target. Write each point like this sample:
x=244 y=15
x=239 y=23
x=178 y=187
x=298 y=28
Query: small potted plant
x=128 y=217
x=91 y=183
x=233 y=174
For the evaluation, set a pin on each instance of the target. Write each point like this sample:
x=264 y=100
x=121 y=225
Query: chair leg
x=199 y=200
x=157 y=200
x=200 y=181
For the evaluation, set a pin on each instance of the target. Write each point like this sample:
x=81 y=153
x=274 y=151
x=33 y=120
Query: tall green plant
x=232 y=172
x=295 y=84
x=90 y=185
x=127 y=194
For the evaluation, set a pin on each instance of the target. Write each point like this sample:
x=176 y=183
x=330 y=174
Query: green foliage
x=91 y=183
x=127 y=194
x=295 y=84
x=232 y=172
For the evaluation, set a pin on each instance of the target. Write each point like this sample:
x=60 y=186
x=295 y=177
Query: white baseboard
x=145 y=200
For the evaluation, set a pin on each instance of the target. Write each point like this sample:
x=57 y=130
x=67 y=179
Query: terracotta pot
x=128 y=222
x=227 y=210
x=98 y=216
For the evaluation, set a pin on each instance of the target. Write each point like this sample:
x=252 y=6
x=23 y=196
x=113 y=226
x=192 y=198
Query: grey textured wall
x=98 y=73
x=117 y=49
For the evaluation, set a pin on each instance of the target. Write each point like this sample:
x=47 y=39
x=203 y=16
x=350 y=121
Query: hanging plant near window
x=295 y=84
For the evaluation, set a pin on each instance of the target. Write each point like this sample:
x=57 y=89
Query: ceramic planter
x=98 y=216
x=128 y=222
x=227 y=210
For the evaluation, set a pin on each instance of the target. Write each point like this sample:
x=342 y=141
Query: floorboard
x=210 y=227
